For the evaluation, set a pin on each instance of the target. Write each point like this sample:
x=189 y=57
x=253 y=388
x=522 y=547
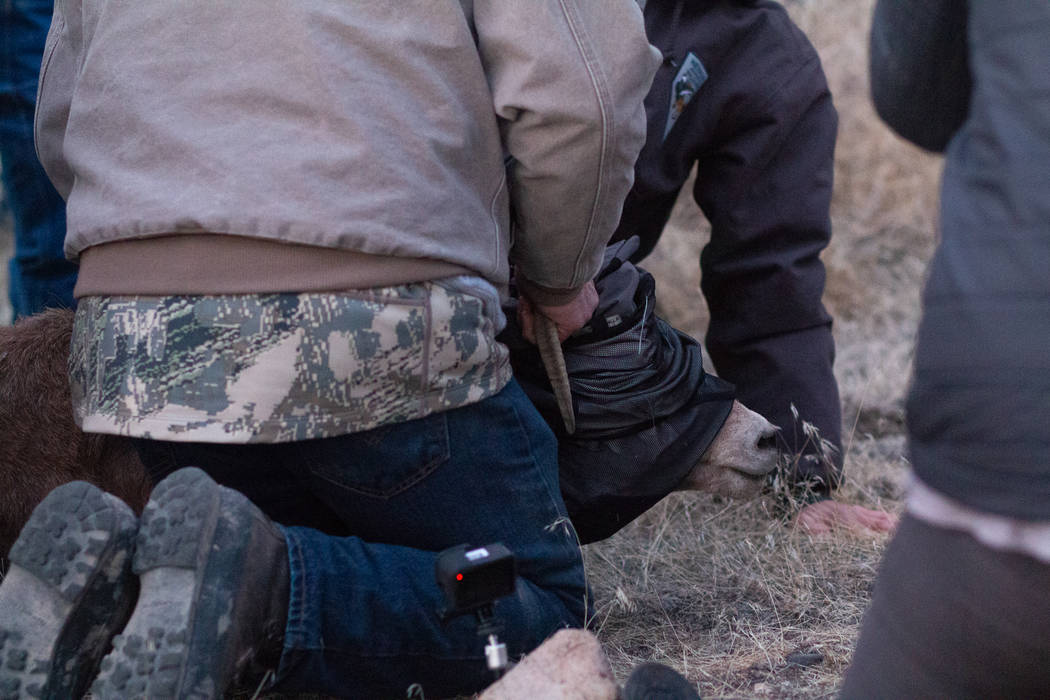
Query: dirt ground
x=729 y=593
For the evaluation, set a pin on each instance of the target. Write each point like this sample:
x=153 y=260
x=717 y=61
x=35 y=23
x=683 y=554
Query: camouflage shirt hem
x=282 y=367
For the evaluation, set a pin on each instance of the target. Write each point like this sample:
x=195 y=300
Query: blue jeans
x=40 y=275
x=363 y=616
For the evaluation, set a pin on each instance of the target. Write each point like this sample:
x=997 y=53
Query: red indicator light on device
x=459 y=577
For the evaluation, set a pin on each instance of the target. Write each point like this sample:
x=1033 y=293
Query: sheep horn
x=554 y=363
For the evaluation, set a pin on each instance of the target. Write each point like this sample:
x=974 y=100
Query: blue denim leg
x=40 y=276
x=364 y=609
x=267 y=474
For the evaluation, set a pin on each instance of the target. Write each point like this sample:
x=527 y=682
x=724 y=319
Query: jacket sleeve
x=765 y=184
x=568 y=79
x=920 y=76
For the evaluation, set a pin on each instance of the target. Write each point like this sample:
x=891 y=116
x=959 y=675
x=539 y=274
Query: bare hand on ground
x=825 y=516
x=568 y=318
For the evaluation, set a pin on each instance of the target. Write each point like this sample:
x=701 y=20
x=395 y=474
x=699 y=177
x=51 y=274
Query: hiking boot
x=653 y=681
x=69 y=590
x=214 y=596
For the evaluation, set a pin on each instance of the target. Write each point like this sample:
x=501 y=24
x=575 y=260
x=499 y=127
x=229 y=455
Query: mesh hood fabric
x=645 y=409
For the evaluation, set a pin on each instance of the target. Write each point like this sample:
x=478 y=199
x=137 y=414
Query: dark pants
x=40 y=275
x=951 y=618
x=364 y=611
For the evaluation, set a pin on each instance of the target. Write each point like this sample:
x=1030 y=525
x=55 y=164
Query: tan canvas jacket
x=400 y=130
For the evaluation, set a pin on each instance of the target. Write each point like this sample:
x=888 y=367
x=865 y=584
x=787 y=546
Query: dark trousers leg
x=952 y=618
x=40 y=275
x=364 y=614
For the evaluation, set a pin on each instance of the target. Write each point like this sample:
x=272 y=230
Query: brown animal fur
x=40 y=445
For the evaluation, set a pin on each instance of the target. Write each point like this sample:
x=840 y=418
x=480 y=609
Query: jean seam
x=296 y=626
x=552 y=499
x=562 y=521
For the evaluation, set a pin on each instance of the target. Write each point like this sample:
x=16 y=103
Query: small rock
x=569 y=666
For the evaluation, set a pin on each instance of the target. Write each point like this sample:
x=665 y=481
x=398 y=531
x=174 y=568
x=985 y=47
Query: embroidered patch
x=690 y=77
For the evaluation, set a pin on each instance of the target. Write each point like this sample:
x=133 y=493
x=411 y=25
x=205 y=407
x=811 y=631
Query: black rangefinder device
x=474 y=578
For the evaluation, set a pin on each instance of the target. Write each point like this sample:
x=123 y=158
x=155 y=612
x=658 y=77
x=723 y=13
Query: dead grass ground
x=725 y=592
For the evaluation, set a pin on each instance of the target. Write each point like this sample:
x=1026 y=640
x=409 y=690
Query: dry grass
x=725 y=592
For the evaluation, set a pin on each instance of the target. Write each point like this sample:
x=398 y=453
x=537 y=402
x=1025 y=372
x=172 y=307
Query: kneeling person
x=290 y=278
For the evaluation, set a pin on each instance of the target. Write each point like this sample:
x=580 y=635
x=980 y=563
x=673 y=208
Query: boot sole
x=69 y=590
x=150 y=657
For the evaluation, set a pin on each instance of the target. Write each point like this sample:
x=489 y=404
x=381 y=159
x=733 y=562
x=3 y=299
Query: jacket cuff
x=546 y=296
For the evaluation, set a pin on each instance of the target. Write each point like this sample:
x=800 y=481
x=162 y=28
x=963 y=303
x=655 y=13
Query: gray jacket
x=974 y=78
x=397 y=130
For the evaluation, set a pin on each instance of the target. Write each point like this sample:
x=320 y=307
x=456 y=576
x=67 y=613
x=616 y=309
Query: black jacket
x=757 y=121
x=979 y=407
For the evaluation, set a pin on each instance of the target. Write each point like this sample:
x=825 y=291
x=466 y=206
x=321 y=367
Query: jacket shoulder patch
x=691 y=75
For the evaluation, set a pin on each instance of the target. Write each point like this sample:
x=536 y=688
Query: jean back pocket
x=382 y=462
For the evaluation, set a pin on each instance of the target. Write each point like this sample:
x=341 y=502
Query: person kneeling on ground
x=293 y=228
x=742 y=100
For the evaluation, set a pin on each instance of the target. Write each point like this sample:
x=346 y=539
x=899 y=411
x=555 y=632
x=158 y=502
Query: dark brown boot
x=69 y=590
x=214 y=596
x=653 y=681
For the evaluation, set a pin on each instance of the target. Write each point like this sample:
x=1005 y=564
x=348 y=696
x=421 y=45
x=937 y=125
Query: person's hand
x=825 y=516
x=568 y=318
